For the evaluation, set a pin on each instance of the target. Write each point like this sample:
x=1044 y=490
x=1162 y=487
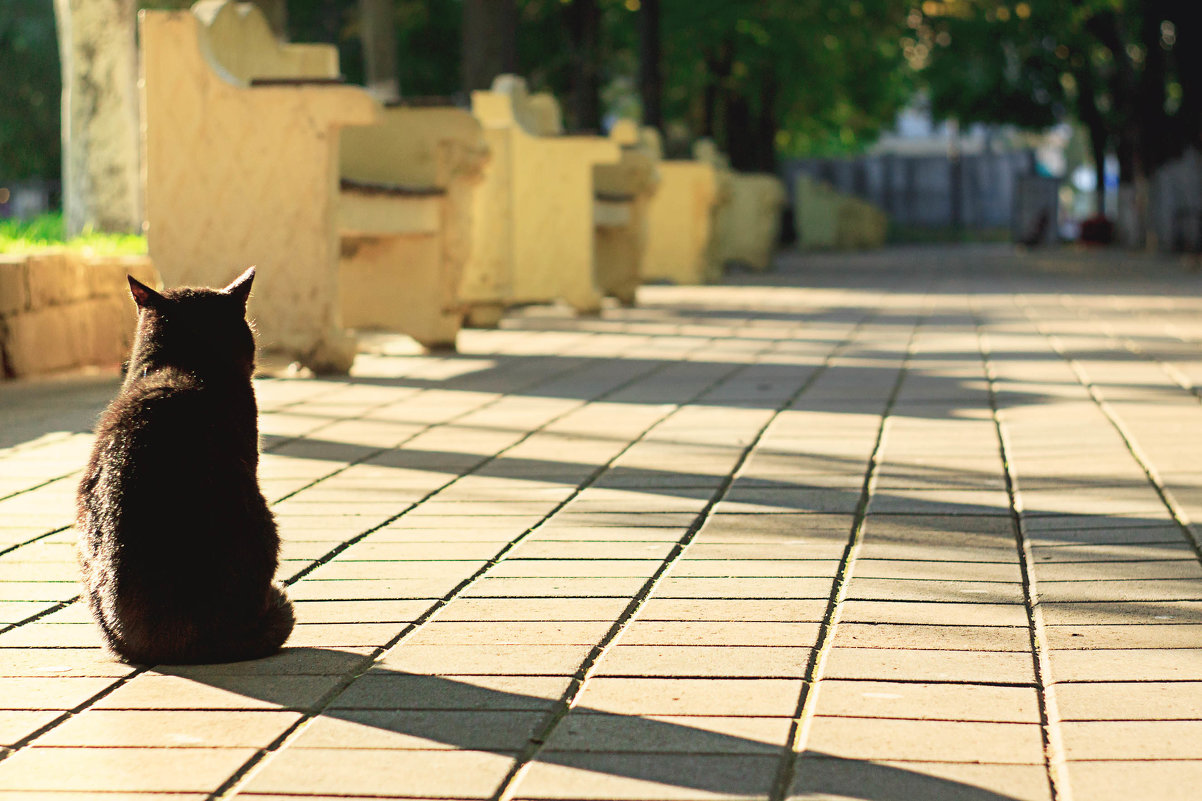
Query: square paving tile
x=381 y=772
x=825 y=778
x=782 y=610
x=646 y=632
x=935 y=613
x=927 y=740
x=1120 y=612
x=611 y=733
x=66 y=662
x=1119 y=780
x=249 y=692
x=50 y=692
x=385 y=689
x=1133 y=739
x=892 y=664
x=909 y=700
x=472 y=730
x=487 y=659
x=709 y=697
x=1133 y=635
x=548 y=609
x=121 y=769
x=1137 y=700
x=704 y=661
x=16 y=725
x=938 y=570
x=954 y=638
x=694 y=587
x=644 y=777
x=1175 y=664
x=102 y=728
x=900 y=589
x=449 y=632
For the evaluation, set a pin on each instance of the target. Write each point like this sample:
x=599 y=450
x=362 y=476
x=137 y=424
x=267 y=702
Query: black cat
x=177 y=545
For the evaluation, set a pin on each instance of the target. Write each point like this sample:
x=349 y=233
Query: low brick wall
x=61 y=310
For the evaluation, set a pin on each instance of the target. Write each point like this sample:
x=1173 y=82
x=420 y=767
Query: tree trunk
x=1097 y=145
x=490 y=34
x=101 y=178
x=740 y=144
x=1159 y=136
x=584 y=26
x=377 y=30
x=767 y=126
x=650 y=74
x=1187 y=18
x=1099 y=137
x=718 y=65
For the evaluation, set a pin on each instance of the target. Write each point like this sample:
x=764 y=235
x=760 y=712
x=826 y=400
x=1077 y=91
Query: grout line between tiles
x=799 y=730
x=1056 y=763
x=243 y=774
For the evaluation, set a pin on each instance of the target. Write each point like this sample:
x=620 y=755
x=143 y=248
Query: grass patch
x=47 y=231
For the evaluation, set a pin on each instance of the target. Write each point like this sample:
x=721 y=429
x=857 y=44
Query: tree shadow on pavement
x=382 y=709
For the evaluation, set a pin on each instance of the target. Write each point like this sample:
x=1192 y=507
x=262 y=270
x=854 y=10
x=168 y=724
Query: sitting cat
x=177 y=545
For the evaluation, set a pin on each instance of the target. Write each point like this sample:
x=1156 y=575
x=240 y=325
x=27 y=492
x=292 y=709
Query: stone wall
x=61 y=310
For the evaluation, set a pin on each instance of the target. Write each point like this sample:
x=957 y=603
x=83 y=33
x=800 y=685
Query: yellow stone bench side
x=747 y=221
x=239 y=175
x=748 y=225
x=815 y=214
x=680 y=220
x=403 y=251
x=538 y=188
x=825 y=219
x=240 y=41
x=620 y=213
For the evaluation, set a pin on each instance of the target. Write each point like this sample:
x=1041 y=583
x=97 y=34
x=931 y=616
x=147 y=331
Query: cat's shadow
x=456 y=713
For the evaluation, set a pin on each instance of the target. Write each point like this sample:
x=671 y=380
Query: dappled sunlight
x=676 y=548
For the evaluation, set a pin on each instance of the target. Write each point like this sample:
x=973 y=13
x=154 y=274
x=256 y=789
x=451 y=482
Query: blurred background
x=1039 y=120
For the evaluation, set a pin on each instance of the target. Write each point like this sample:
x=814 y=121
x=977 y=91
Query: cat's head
x=196 y=329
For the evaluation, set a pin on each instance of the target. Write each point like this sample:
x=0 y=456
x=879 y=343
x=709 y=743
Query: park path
x=911 y=524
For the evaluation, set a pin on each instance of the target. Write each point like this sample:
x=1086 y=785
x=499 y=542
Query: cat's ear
x=240 y=289
x=144 y=296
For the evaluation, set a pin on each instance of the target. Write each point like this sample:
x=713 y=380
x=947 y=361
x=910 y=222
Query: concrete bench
x=621 y=197
x=825 y=219
x=621 y=208
x=404 y=215
x=533 y=227
x=747 y=225
x=257 y=124
x=681 y=217
x=240 y=174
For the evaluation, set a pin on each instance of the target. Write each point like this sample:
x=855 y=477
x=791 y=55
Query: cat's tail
x=263 y=637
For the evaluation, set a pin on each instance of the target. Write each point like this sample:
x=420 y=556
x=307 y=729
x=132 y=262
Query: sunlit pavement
x=906 y=525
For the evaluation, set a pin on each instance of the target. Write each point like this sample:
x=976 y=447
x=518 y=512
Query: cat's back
x=166 y=442
x=161 y=412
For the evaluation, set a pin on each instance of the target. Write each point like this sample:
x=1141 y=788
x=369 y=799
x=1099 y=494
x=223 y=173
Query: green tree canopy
x=805 y=75
x=1130 y=71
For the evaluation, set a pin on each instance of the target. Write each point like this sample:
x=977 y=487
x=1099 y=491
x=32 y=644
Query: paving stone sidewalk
x=907 y=525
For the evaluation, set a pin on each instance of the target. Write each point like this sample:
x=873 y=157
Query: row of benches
x=413 y=217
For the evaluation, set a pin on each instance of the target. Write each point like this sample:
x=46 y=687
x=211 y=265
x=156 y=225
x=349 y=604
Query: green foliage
x=1001 y=68
x=830 y=75
x=47 y=231
x=29 y=92
x=796 y=76
x=429 y=34
x=1129 y=70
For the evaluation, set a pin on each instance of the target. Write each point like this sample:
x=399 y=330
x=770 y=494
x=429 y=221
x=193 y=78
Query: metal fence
x=976 y=191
